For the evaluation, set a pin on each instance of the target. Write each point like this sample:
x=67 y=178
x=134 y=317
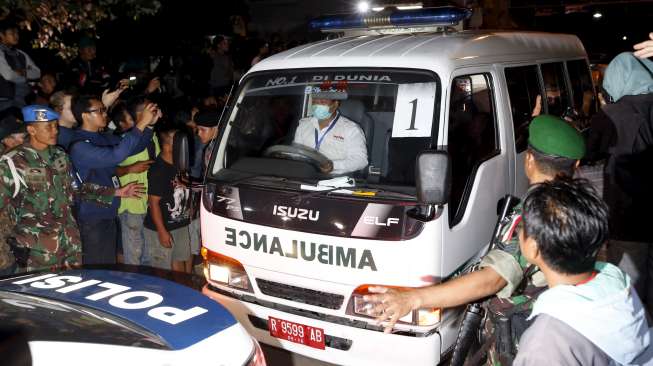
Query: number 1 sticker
x=414 y=110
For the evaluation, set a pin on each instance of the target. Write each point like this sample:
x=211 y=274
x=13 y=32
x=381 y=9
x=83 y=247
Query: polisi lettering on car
x=117 y=295
x=294 y=212
x=332 y=255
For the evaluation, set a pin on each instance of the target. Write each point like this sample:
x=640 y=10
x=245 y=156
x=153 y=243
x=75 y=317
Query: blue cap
x=39 y=113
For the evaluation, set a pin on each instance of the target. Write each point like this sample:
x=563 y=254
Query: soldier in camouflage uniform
x=554 y=148
x=37 y=186
x=12 y=133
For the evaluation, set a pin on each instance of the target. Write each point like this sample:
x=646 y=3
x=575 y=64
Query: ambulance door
x=525 y=93
x=480 y=171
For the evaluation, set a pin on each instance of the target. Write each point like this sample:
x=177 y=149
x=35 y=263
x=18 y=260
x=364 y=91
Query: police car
x=104 y=317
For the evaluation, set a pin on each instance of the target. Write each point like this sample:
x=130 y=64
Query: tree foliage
x=58 y=24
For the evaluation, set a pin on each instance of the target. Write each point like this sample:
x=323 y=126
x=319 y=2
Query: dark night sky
x=181 y=24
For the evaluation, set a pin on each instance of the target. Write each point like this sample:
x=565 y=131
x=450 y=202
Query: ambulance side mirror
x=433 y=177
x=181 y=152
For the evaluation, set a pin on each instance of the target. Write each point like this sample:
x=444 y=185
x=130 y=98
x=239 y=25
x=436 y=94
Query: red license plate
x=295 y=332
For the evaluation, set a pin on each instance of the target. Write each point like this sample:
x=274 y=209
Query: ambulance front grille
x=300 y=294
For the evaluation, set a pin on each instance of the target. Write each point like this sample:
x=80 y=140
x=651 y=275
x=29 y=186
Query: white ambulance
x=291 y=251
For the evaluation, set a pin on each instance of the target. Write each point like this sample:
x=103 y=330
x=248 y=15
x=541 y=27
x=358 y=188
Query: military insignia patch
x=40 y=115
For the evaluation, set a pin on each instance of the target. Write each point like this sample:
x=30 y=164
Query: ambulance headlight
x=225 y=270
x=419 y=317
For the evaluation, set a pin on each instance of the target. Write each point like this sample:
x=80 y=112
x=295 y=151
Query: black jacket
x=623 y=133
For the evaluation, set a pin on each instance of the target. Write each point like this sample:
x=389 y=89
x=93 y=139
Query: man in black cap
x=207 y=130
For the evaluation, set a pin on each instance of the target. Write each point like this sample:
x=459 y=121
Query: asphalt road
x=278 y=357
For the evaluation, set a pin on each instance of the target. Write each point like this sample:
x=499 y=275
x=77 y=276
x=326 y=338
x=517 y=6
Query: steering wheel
x=299 y=152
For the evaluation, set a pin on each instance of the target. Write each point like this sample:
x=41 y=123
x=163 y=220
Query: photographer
x=96 y=156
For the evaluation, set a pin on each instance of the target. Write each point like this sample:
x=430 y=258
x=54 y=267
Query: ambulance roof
x=431 y=51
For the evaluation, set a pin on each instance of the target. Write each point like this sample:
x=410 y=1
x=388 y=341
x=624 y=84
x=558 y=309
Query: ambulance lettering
x=352 y=77
x=332 y=255
x=229 y=202
x=373 y=220
x=282 y=80
x=118 y=296
x=294 y=212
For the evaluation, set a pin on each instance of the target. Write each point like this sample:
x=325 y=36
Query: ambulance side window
x=523 y=91
x=582 y=91
x=472 y=136
x=557 y=95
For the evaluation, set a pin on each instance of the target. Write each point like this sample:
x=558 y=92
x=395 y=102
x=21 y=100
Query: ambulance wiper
x=237 y=181
x=300 y=196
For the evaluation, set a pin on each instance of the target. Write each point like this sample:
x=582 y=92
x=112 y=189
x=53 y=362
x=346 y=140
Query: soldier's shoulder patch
x=11 y=153
x=18 y=156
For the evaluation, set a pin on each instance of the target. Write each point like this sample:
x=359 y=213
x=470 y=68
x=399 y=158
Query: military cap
x=38 y=113
x=554 y=136
x=207 y=118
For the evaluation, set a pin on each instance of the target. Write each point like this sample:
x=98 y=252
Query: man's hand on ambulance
x=389 y=305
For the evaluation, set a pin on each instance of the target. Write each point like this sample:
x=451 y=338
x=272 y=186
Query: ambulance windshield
x=366 y=124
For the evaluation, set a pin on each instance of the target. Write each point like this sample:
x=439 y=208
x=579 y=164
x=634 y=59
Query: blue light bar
x=447 y=15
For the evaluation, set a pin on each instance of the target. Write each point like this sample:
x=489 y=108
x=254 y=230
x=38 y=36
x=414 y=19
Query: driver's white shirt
x=344 y=144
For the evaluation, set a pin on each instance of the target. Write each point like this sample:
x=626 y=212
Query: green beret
x=554 y=136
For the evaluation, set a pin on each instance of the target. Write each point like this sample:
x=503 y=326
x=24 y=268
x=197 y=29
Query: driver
x=338 y=138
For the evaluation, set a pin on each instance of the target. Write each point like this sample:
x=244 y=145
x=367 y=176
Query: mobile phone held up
x=132 y=81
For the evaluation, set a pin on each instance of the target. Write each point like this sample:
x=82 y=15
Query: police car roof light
x=446 y=15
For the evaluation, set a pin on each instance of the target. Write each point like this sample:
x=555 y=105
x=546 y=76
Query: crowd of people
x=87 y=177
x=87 y=173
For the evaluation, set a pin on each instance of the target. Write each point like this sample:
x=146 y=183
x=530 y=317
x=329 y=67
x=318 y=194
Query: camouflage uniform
x=42 y=206
x=507 y=312
x=6 y=256
x=514 y=300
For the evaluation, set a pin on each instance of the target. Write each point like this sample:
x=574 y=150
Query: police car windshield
x=51 y=320
x=378 y=122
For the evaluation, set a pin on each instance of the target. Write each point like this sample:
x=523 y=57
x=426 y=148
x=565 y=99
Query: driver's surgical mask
x=320 y=111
